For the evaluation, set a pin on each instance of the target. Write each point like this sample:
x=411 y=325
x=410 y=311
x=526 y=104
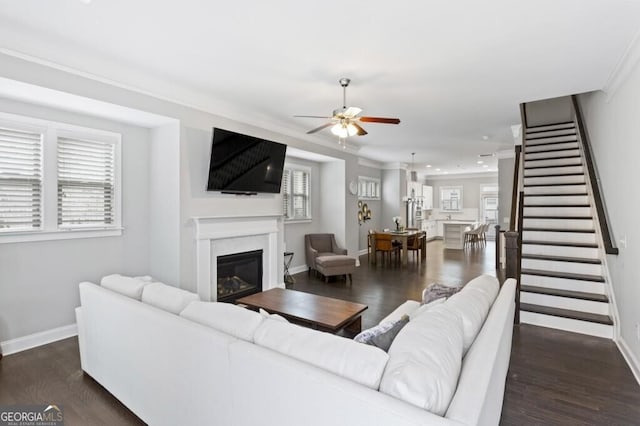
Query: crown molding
x=369 y=163
x=623 y=68
x=451 y=176
x=395 y=166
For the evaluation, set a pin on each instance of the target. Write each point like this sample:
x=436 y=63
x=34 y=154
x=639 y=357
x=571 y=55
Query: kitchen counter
x=453 y=234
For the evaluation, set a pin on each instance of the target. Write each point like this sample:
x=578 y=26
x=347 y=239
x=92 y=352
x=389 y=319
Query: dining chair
x=384 y=245
x=414 y=243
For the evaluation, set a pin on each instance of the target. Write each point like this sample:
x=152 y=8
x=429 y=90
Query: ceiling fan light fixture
x=343 y=130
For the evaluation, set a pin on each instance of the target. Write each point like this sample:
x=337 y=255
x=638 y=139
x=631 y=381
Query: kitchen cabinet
x=427 y=197
x=430 y=227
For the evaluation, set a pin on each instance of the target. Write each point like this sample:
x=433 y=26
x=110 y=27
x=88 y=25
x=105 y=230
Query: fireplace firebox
x=239 y=275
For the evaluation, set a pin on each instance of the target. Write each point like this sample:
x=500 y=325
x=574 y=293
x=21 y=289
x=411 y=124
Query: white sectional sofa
x=172 y=360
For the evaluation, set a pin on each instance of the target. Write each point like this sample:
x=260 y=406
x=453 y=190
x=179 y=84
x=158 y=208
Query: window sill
x=292 y=221
x=24 y=237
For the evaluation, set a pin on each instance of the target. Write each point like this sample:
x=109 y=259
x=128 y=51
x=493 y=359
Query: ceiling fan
x=345 y=121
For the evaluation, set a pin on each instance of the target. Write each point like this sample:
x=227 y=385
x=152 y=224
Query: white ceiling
x=452 y=71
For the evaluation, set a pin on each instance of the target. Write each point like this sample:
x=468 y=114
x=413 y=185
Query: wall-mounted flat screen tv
x=242 y=164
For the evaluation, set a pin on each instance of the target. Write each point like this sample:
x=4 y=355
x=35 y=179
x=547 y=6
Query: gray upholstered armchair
x=320 y=245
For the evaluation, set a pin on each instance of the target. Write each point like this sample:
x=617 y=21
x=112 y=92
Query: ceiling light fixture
x=413 y=175
x=428 y=166
x=480 y=161
x=437 y=170
x=485 y=165
x=344 y=129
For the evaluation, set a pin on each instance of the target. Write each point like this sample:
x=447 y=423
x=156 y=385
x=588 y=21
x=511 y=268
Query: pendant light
x=413 y=175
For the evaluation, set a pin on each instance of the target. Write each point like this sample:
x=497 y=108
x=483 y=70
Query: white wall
x=333 y=205
x=614 y=130
x=294 y=232
x=505 y=188
x=549 y=111
x=39 y=280
x=164 y=200
x=392 y=193
x=375 y=206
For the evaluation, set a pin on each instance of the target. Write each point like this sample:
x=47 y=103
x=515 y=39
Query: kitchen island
x=453 y=234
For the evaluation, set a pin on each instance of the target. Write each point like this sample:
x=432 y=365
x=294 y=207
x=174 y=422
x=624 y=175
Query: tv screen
x=242 y=164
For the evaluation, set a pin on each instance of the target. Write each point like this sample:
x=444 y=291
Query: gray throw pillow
x=437 y=291
x=384 y=340
x=365 y=336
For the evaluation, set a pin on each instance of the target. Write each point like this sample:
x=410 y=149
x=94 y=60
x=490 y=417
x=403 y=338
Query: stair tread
x=555 y=175
x=567 y=275
x=558 y=194
x=559 y=243
x=564 y=123
x=559 y=217
x=566 y=313
x=562 y=258
x=577 y=231
x=595 y=297
x=554 y=184
x=557 y=205
x=530 y=145
x=561 y=157
x=550 y=166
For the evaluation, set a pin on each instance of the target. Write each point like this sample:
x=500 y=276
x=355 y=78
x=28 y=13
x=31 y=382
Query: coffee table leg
x=355 y=326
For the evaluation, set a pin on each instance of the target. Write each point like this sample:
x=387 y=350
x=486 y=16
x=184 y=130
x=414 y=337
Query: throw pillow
x=384 y=340
x=365 y=336
x=437 y=291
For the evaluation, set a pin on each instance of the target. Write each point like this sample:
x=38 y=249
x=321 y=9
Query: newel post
x=498 y=247
x=513 y=266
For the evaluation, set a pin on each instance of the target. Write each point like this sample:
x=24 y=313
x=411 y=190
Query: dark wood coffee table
x=318 y=312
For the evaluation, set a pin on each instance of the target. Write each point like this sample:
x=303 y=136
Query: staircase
x=563 y=283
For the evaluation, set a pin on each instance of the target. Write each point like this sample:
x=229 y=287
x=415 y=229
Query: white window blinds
x=85 y=183
x=20 y=180
x=295 y=194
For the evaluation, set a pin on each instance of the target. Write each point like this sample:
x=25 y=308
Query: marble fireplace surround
x=219 y=236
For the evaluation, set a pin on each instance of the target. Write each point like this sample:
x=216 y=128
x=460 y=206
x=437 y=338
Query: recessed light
x=437 y=170
x=428 y=165
x=485 y=165
x=480 y=161
x=446 y=173
x=485 y=138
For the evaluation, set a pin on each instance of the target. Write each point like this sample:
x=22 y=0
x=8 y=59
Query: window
x=57 y=180
x=368 y=188
x=451 y=198
x=20 y=179
x=295 y=193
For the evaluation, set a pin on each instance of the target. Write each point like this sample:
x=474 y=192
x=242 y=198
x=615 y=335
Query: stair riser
x=590 y=306
x=568 y=324
x=558 y=223
x=558 y=211
x=581 y=252
x=563 y=284
x=560 y=132
x=554 y=162
x=545 y=155
x=559 y=237
x=571 y=189
x=552 y=139
x=553 y=179
x=556 y=266
x=554 y=171
x=531 y=149
x=550 y=127
x=567 y=199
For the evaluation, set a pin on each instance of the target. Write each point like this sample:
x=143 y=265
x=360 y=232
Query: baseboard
x=297 y=269
x=363 y=252
x=23 y=343
x=632 y=361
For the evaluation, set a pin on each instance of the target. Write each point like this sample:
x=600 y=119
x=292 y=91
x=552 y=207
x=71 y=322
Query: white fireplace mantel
x=219 y=236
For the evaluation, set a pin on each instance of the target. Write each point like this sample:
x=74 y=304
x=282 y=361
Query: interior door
x=489 y=214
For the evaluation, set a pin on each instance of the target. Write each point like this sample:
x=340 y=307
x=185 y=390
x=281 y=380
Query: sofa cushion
x=424 y=308
x=363 y=364
x=275 y=317
x=127 y=286
x=231 y=319
x=487 y=285
x=472 y=306
x=425 y=359
x=168 y=298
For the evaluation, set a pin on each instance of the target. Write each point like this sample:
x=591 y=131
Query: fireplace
x=239 y=275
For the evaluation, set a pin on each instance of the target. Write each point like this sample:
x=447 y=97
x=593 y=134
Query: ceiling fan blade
x=361 y=131
x=383 y=120
x=351 y=112
x=317 y=129
x=313 y=116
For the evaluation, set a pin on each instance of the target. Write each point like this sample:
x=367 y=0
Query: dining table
x=403 y=237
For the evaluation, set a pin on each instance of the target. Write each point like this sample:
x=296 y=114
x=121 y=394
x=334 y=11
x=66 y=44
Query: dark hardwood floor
x=555 y=377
